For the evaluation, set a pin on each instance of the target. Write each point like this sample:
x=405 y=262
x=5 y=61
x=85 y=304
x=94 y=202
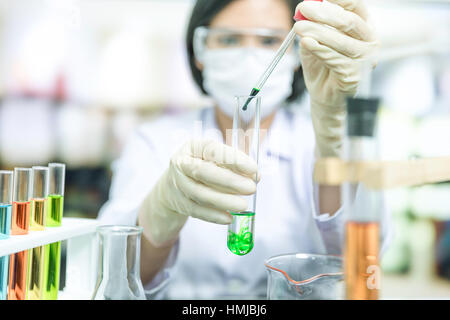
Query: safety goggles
x=206 y=38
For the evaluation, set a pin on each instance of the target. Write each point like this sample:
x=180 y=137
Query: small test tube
x=6 y=188
x=20 y=221
x=52 y=252
x=57 y=172
x=39 y=198
x=35 y=275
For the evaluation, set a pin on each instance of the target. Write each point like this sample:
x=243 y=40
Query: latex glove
x=335 y=41
x=204 y=180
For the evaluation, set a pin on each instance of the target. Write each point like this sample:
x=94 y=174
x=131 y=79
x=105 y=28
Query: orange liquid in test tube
x=362 y=271
x=20 y=224
x=20 y=218
x=18 y=276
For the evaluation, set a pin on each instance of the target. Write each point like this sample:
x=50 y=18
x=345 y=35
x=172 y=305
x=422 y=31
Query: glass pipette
x=280 y=53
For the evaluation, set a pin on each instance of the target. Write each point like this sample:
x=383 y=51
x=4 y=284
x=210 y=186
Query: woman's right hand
x=204 y=180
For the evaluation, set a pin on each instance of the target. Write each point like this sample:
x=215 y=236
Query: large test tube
x=37 y=223
x=17 y=286
x=6 y=188
x=52 y=252
x=245 y=137
x=361 y=205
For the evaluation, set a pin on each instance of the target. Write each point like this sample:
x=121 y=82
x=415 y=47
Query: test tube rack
x=379 y=175
x=81 y=255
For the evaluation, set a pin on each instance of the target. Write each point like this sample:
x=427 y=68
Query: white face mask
x=234 y=72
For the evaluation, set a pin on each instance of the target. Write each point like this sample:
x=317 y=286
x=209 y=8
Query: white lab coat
x=200 y=264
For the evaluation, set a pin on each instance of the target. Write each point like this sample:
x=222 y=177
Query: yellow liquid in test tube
x=35 y=276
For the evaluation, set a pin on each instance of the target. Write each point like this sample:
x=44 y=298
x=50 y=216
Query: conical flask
x=119 y=263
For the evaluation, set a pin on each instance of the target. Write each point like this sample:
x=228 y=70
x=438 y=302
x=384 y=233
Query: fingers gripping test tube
x=245 y=137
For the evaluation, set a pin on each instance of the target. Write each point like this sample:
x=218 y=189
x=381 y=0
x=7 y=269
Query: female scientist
x=171 y=181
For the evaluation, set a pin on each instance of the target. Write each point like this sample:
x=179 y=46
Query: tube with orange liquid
x=361 y=206
x=20 y=222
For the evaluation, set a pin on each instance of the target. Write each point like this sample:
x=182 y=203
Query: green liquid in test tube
x=240 y=233
x=52 y=264
x=52 y=252
x=55 y=205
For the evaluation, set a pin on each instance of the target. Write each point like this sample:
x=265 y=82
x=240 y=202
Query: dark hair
x=203 y=13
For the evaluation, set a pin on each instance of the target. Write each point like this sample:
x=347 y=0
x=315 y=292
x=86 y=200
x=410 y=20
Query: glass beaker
x=119 y=264
x=245 y=137
x=305 y=277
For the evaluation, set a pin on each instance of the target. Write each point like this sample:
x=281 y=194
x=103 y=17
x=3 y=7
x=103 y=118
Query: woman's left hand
x=336 y=38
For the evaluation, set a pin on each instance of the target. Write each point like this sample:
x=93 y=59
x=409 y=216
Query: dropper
x=280 y=53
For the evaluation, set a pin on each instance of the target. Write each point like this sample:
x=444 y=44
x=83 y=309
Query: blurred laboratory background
x=77 y=76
